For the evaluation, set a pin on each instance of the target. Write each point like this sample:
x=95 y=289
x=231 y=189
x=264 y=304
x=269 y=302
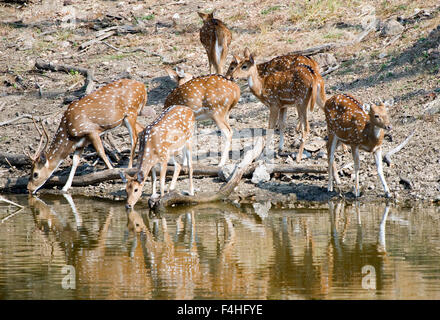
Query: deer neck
x=255 y=82
x=60 y=148
x=373 y=136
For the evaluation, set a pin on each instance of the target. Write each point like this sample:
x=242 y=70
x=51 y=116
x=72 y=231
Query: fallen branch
x=334 y=45
x=10 y=202
x=172 y=198
x=88 y=74
x=23 y=116
x=12 y=159
x=108 y=32
x=387 y=157
x=330 y=70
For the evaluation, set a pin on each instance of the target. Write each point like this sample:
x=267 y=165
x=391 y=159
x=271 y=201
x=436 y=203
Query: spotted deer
x=215 y=38
x=349 y=122
x=283 y=63
x=294 y=87
x=179 y=75
x=168 y=134
x=83 y=122
x=210 y=97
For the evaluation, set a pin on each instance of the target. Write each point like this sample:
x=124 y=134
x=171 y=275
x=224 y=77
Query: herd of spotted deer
x=288 y=80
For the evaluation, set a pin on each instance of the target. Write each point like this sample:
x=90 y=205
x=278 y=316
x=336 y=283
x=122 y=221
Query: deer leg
x=378 y=160
x=282 y=125
x=97 y=144
x=176 y=172
x=153 y=182
x=188 y=152
x=223 y=124
x=132 y=131
x=356 y=160
x=75 y=162
x=305 y=133
x=331 y=146
x=163 y=172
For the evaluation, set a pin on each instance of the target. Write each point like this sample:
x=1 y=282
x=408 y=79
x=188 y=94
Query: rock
x=390 y=28
x=226 y=172
x=305 y=155
x=260 y=174
x=407 y=184
x=262 y=209
x=148 y=112
x=432 y=107
x=315 y=145
x=325 y=59
x=321 y=154
x=382 y=55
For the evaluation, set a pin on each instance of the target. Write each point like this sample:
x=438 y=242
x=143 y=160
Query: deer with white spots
x=349 y=122
x=279 y=90
x=215 y=38
x=158 y=142
x=210 y=97
x=179 y=75
x=283 y=63
x=83 y=122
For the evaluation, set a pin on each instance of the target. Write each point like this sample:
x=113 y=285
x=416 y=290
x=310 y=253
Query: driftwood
x=88 y=74
x=12 y=159
x=172 y=198
x=387 y=157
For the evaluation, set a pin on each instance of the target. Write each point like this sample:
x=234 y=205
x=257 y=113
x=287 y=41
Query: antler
x=39 y=149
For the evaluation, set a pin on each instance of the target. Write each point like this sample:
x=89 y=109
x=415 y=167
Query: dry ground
x=404 y=68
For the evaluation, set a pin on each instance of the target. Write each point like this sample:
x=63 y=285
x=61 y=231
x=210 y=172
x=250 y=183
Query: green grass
x=270 y=9
x=147 y=17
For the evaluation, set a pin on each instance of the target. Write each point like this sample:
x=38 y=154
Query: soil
x=403 y=68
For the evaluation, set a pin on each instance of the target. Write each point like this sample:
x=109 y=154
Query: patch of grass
x=335 y=35
x=270 y=9
x=63 y=35
x=238 y=16
x=147 y=17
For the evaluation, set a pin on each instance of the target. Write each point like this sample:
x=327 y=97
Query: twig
x=10 y=202
x=330 y=69
x=11 y=215
x=387 y=157
x=23 y=116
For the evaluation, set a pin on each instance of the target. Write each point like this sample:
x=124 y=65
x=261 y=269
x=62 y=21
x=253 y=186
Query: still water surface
x=341 y=251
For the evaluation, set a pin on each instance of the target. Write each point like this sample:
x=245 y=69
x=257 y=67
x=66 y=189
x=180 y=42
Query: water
x=82 y=248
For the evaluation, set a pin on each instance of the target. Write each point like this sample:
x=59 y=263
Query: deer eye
x=376 y=116
x=244 y=67
x=35 y=175
x=136 y=190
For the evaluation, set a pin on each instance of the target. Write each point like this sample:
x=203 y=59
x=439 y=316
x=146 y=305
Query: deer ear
x=247 y=52
x=172 y=74
x=235 y=59
x=251 y=59
x=123 y=177
x=140 y=177
x=43 y=159
x=202 y=15
x=180 y=72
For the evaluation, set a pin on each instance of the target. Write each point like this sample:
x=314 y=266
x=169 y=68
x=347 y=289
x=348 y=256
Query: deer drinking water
x=294 y=87
x=83 y=122
x=163 y=138
x=210 y=97
x=349 y=123
x=215 y=38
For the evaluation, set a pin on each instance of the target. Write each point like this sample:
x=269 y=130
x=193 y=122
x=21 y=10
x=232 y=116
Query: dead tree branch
x=87 y=73
x=387 y=157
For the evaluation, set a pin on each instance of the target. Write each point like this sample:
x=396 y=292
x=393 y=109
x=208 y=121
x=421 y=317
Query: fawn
x=210 y=97
x=349 y=123
x=294 y=87
x=215 y=38
x=83 y=122
x=163 y=138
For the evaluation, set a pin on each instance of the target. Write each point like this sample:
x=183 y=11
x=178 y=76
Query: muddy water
x=82 y=248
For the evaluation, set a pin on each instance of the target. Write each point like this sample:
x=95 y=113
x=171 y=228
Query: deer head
x=379 y=116
x=179 y=75
x=133 y=187
x=40 y=171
